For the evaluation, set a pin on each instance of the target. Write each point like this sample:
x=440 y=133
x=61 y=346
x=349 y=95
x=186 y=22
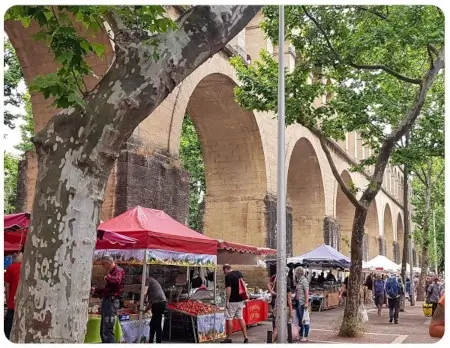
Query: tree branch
x=420 y=177
x=351 y=197
x=384 y=68
x=378 y=14
x=142 y=76
x=405 y=125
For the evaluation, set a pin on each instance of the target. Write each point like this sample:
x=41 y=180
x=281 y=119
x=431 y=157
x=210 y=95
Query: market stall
x=167 y=247
x=325 y=295
x=382 y=264
x=256 y=308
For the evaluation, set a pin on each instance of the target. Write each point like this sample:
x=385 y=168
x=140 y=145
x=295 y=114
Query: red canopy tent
x=154 y=229
x=16 y=230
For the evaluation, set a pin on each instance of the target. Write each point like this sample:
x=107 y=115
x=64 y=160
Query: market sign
x=175 y=258
x=209 y=328
x=378 y=268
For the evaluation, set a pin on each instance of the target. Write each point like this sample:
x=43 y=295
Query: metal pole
x=435 y=244
x=281 y=301
x=215 y=303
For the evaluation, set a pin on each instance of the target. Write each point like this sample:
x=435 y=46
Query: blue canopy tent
x=324 y=256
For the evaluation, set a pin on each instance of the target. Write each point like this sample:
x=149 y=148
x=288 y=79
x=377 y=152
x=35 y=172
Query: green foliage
x=192 y=160
x=67 y=85
x=367 y=61
x=12 y=78
x=26 y=129
x=10 y=171
x=437 y=196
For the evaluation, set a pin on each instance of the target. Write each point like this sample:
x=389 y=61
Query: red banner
x=255 y=311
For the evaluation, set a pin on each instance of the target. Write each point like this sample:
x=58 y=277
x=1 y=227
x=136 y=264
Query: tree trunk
x=421 y=291
x=351 y=324
x=76 y=151
x=52 y=299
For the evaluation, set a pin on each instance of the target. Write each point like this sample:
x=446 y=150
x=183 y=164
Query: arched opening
x=234 y=163
x=345 y=212
x=306 y=197
x=400 y=236
x=372 y=230
x=388 y=232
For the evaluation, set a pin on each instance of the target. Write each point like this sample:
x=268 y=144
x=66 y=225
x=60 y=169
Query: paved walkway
x=412 y=328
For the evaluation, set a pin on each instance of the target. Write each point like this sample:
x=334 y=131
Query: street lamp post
x=281 y=301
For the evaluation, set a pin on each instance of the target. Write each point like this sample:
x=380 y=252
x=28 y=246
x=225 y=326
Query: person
x=12 y=277
x=302 y=296
x=111 y=295
x=343 y=291
x=157 y=303
x=330 y=277
x=321 y=278
x=272 y=287
x=378 y=288
x=433 y=294
x=437 y=324
x=393 y=292
x=314 y=279
x=369 y=282
x=234 y=303
x=289 y=307
x=408 y=291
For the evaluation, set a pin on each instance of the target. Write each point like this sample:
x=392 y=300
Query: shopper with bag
x=236 y=293
x=302 y=296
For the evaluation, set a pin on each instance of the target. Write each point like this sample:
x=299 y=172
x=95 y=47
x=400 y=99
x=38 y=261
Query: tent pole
x=142 y=298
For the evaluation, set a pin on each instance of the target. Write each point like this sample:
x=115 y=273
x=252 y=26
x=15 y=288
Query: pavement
x=412 y=328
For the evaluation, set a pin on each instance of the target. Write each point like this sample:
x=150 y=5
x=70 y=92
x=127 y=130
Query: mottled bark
x=351 y=324
x=76 y=152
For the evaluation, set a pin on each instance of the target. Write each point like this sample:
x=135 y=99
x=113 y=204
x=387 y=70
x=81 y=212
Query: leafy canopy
x=57 y=30
x=12 y=78
x=367 y=61
x=10 y=170
x=192 y=160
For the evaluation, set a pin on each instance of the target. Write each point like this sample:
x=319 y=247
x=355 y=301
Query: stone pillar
x=157 y=181
x=26 y=182
x=331 y=232
x=270 y=203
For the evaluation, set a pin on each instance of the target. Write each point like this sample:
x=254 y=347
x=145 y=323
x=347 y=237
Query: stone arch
x=306 y=197
x=344 y=214
x=400 y=235
x=234 y=162
x=388 y=232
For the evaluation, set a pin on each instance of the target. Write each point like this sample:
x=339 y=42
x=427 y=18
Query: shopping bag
x=362 y=312
x=242 y=290
x=427 y=309
x=306 y=317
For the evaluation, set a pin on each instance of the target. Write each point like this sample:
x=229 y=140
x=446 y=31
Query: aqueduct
x=239 y=150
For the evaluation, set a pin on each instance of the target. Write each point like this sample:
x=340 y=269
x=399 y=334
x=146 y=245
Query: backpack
x=392 y=288
x=378 y=287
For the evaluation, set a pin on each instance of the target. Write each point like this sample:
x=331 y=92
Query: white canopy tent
x=382 y=263
x=408 y=268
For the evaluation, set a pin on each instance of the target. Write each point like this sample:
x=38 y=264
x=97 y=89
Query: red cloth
x=12 y=276
x=154 y=229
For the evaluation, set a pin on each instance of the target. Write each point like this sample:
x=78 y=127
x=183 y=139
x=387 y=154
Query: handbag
x=242 y=290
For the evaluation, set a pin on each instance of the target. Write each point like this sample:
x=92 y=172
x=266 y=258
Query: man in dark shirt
x=157 y=302
x=331 y=277
x=235 y=304
x=321 y=278
x=110 y=295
